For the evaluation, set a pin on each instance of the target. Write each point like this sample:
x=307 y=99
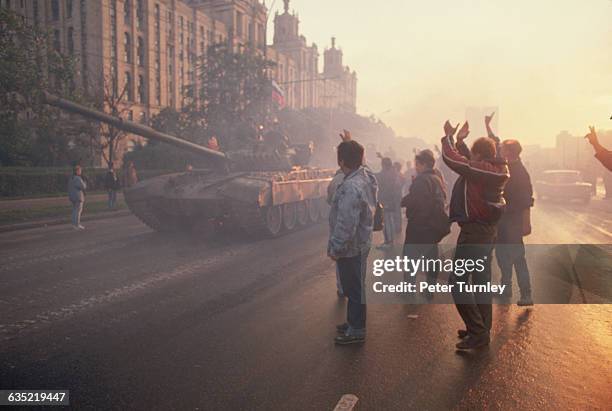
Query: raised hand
x=489 y=118
x=463 y=132
x=345 y=135
x=592 y=136
x=449 y=130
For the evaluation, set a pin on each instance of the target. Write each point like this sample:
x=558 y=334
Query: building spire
x=286 y=5
x=333 y=42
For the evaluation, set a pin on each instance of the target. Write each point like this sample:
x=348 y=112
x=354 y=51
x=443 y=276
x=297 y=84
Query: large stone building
x=151 y=48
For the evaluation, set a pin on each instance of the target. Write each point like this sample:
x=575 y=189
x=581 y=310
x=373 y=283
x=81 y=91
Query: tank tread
x=250 y=218
x=145 y=213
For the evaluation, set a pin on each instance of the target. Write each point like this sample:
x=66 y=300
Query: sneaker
x=462 y=333
x=80 y=227
x=471 y=342
x=75 y=227
x=347 y=339
x=341 y=328
x=525 y=301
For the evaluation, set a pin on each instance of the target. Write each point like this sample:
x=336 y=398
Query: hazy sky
x=547 y=64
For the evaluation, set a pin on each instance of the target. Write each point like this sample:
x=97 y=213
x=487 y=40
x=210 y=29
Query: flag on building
x=278 y=94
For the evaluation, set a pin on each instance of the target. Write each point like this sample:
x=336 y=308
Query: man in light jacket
x=76 y=195
x=351 y=221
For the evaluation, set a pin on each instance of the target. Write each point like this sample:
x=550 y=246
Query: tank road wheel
x=289 y=216
x=274 y=220
x=302 y=213
x=313 y=210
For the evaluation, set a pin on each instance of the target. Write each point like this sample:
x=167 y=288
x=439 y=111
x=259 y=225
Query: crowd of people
x=490 y=201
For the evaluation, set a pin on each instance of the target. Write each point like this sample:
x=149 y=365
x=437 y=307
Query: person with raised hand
x=476 y=205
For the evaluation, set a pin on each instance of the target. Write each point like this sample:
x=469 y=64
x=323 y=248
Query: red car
x=563 y=185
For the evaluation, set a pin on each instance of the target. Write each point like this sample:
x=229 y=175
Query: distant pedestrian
x=111 y=185
x=476 y=205
x=601 y=153
x=397 y=166
x=76 y=195
x=510 y=249
x=425 y=206
x=390 y=196
x=351 y=222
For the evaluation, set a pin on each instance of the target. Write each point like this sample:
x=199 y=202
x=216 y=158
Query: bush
x=40 y=181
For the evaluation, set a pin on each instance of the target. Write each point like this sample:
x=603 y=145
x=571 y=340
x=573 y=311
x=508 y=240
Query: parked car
x=563 y=185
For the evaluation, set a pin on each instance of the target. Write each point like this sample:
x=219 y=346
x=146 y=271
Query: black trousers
x=510 y=253
x=352 y=278
x=475 y=242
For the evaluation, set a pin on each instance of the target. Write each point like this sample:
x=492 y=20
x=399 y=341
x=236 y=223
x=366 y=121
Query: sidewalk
x=27 y=213
x=50 y=201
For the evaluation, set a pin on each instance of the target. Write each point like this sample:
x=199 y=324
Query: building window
x=239 y=24
x=129 y=90
x=55 y=10
x=70 y=40
x=127 y=12
x=127 y=45
x=69 y=8
x=141 y=52
x=142 y=97
x=56 y=40
x=140 y=13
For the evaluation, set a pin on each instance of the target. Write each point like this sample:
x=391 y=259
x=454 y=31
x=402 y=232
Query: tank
x=266 y=189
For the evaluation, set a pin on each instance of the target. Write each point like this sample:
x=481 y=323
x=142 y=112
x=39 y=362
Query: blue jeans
x=352 y=272
x=77 y=209
x=112 y=198
x=390 y=226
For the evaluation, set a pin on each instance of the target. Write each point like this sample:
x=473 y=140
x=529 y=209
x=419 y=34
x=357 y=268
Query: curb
x=60 y=221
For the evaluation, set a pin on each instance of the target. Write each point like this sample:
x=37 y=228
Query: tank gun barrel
x=130 y=126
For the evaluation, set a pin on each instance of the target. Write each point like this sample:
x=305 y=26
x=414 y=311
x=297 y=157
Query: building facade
x=151 y=48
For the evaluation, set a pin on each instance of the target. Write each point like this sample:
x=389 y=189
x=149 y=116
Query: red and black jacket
x=478 y=192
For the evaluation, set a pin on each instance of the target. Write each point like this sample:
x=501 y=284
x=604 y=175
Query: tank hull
x=263 y=203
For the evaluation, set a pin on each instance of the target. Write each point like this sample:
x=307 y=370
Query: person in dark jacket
x=424 y=203
x=476 y=205
x=601 y=153
x=510 y=249
x=112 y=185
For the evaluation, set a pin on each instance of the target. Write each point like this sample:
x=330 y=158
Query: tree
x=32 y=133
x=108 y=140
x=231 y=97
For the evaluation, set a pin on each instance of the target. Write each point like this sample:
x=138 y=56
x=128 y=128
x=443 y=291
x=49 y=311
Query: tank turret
x=263 y=156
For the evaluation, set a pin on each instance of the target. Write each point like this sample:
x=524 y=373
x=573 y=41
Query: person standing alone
x=76 y=195
x=112 y=185
x=351 y=221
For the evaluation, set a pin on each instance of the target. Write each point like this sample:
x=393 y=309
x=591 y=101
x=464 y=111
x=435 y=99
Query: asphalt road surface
x=129 y=319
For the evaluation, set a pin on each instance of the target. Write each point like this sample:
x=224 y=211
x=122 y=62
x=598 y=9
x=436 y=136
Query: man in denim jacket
x=351 y=220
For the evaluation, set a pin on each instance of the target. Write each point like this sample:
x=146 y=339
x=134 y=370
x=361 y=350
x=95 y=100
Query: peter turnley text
x=406 y=287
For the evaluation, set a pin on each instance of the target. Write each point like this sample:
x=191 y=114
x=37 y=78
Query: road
x=128 y=319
